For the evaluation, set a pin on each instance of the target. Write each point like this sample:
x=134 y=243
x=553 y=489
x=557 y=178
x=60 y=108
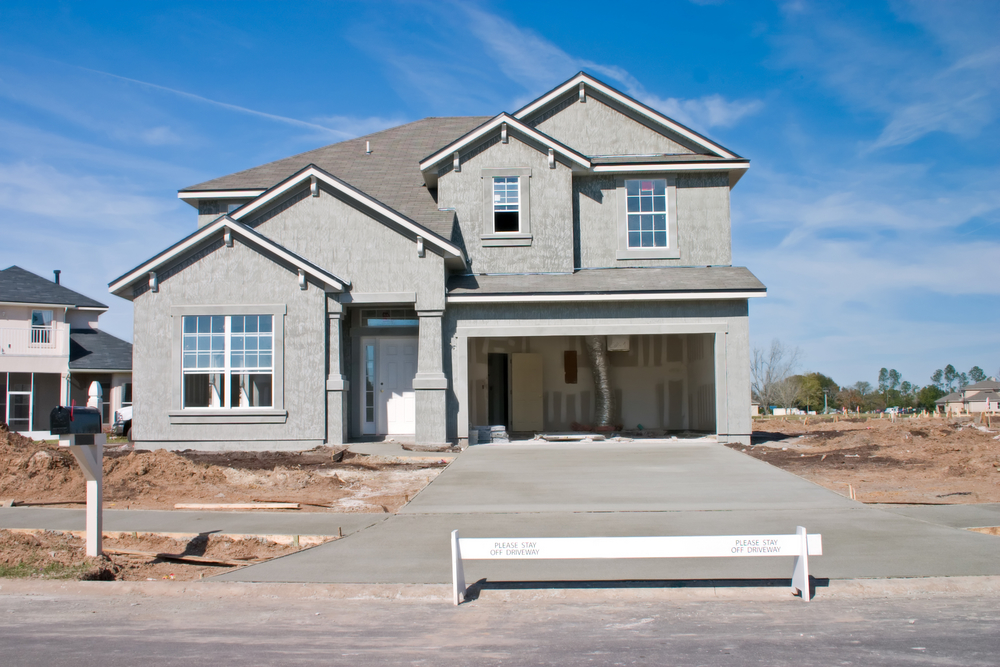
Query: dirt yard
x=322 y=479
x=927 y=460
x=52 y=555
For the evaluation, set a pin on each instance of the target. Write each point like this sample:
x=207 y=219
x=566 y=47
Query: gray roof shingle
x=602 y=281
x=390 y=174
x=90 y=349
x=20 y=286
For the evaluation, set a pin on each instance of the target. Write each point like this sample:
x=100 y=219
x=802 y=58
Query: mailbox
x=72 y=421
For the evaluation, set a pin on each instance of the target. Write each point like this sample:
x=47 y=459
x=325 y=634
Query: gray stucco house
x=564 y=266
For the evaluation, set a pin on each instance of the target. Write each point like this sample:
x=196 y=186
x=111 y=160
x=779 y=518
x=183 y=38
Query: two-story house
x=566 y=266
x=52 y=349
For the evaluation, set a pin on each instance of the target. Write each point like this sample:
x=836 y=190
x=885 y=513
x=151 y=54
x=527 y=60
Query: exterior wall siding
x=703 y=226
x=230 y=276
x=551 y=248
x=350 y=244
x=595 y=127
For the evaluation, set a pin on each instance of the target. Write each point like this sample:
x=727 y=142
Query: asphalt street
x=125 y=630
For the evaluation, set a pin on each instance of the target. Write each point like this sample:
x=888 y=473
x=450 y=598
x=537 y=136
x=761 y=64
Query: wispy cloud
x=953 y=88
x=536 y=63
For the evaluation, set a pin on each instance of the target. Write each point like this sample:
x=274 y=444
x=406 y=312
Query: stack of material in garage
x=499 y=434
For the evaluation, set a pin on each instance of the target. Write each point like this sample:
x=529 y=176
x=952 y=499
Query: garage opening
x=660 y=384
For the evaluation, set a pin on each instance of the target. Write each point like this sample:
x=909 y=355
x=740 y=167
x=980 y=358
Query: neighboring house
x=51 y=349
x=979 y=397
x=454 y=272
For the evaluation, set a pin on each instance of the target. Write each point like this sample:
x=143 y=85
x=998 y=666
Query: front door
x=388 y=403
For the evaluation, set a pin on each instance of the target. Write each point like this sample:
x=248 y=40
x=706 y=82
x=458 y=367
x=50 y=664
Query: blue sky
x=871 y=209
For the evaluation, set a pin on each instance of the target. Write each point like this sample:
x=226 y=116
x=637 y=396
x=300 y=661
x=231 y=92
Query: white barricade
x=800 y=546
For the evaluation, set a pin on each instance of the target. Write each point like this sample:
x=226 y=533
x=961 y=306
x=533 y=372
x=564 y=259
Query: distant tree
x=976 y=374
x=950 y=377
x=769 y=369
x=906 y=387
x=888 y=381
x=788 y=391
x=927 y=396
x=937 y=378
x=812 y=394
x=962 y=380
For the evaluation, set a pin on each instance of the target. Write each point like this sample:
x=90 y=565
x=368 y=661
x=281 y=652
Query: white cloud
x=946 y=79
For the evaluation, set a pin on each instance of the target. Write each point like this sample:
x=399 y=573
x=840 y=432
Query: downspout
x=597 y=349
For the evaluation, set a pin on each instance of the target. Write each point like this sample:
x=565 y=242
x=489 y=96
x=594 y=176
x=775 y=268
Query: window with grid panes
x=646 y=202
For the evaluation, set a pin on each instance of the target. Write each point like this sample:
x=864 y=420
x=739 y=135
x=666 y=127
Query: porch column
x=430 y=384
x=336 y=385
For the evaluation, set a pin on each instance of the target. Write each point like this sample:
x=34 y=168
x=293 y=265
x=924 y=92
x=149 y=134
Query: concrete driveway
x=612 y=489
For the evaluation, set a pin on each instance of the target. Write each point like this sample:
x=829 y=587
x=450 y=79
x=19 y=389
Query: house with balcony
x=982 y=396
x=51 y=349
x=566 y=266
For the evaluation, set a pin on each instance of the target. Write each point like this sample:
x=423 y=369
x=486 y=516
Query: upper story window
x=41 y=327
x=647 y=218
x=647 y=213
x=228 y=361
x=506 y=210
x=395 y=317
x=506 y=206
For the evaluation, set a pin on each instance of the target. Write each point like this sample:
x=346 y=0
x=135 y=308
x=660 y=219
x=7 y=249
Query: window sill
x=505 y=240
x=245 y=416
x=649 y=253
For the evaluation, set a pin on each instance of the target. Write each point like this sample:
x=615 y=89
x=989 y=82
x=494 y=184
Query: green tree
x=937 y=378
x=927 y=396
x=811 y=391
x=976 y=374
x=950 y=377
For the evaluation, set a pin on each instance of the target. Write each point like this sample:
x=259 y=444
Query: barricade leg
x=457 y=571
x=800 y=575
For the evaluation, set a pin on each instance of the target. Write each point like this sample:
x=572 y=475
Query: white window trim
x=522 y=237
x=274 y=414
x=672 y=251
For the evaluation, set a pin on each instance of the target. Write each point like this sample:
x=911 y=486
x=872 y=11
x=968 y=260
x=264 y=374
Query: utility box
x=74 y=421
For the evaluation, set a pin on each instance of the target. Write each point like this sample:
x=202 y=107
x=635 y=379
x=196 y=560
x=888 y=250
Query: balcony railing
x=30 y=342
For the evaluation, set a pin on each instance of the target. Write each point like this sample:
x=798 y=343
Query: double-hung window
x=647 y=218
x=506 y=204
x=506 y=212
x=227 y=361
x=647 y=213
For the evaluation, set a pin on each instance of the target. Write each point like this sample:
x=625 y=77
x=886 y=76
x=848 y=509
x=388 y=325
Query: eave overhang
x=192 y=197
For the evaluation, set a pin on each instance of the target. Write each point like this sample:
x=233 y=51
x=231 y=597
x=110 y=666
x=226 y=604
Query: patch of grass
x=34 y=570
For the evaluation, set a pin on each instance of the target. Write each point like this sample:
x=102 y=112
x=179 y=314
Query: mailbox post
x=80 y=430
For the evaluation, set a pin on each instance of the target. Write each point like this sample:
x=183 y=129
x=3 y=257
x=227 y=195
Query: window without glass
x=646 y=201
x=506 y=204
x=228 y=361
x=41 y=327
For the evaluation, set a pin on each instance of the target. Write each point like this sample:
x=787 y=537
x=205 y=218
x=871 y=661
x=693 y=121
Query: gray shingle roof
x=953 y=397
x=90 y=349
x=390 y=174
x=20 y=286
x=985 y=385
x=601 y=281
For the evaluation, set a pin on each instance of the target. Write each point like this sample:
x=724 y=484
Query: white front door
x=397 y=365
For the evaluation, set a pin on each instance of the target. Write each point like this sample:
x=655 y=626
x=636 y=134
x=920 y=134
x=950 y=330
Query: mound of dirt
x=322 y=479
x=914 y=460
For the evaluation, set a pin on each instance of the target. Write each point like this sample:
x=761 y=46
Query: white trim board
x=671 y=166
x=332 y=282
x=629 y=103
x=635 y=296
x=220 y=194
x=312 y=171
x=490 y=126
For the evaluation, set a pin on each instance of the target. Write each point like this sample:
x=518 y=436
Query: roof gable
x=313 y=175
x=502 y=123
x=225 y=224
x=91 y=349
x=583 y=84
x=20 y=286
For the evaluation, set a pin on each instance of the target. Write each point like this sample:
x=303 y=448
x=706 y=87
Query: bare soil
x=322 y=479
x=54 y=555
x=912 y=460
